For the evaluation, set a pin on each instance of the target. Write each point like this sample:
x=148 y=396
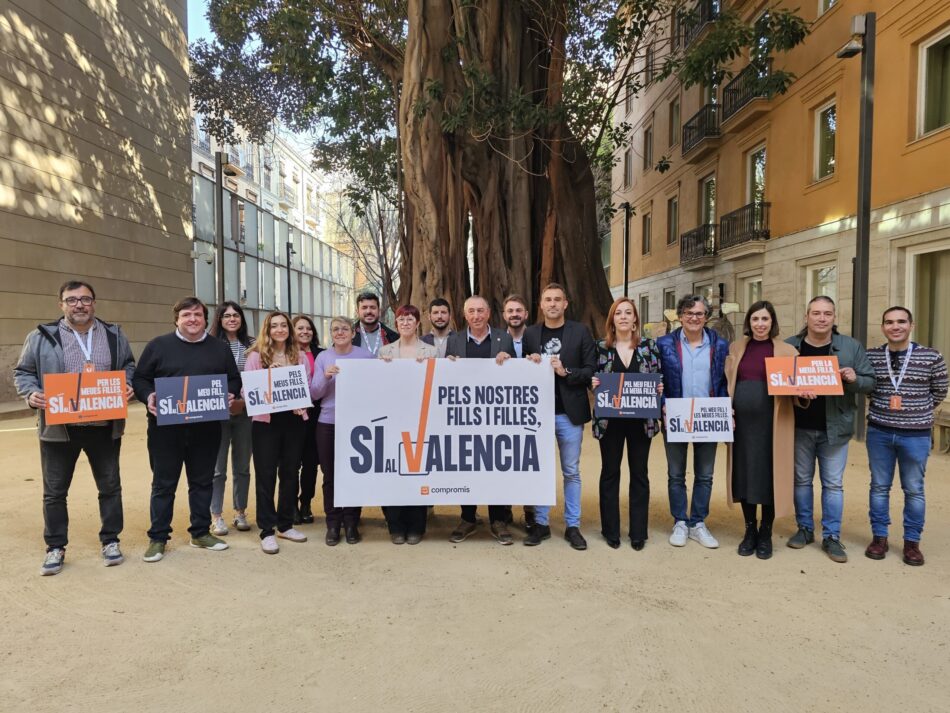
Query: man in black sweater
x=185 y=352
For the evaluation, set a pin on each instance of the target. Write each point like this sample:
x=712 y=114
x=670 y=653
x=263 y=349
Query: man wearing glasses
x=78 y=342
x=693 y=359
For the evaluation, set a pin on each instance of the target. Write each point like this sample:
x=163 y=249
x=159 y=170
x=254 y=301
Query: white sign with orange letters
x=699 y=420
x=464 y=432
x=282 y=388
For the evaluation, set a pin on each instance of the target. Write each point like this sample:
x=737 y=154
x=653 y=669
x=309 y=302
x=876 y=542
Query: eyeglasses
x=85 y=299
x=694 y=315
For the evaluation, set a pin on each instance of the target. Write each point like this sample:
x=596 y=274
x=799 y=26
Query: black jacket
x=579 y=357
x=389 y=336
x=500 y=342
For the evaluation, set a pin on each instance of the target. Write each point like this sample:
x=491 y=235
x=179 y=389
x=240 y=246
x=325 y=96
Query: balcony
x=287 y=198
x=698 y=247
x=697 y=21
x=743 y=100
x=744 y=231
x=701 y=133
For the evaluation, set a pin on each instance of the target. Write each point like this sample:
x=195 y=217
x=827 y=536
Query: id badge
x=88 y=367
x=895 y=404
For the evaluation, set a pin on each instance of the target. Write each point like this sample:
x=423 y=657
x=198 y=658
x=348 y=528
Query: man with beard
x=371 y=334
x=440 y=317
x=515 y=314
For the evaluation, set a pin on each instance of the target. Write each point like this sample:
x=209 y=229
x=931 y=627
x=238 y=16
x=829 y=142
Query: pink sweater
x=254 y=362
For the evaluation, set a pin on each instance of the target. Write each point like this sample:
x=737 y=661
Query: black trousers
x=194 y=446
x=406 y=519
x=347 y=517
x=496 y=513
x=310 y=460
x=277 y=447
x=58 y=461
x=620 y=431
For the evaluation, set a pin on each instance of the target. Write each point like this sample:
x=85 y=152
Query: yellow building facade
x=760 y=198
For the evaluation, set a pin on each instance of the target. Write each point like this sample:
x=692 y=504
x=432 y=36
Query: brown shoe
x=877 y=549
x=499 y=531
x=912 y=554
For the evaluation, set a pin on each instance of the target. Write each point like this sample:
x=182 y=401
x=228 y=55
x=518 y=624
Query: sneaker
x=834 y=548
x=293 y=535
x=155 y=551
x=803 y=537
x=573 y=535
x=462 y=531
x=499 y=531
x=111 y=554
x=209 y=542
x=53 y=564
x=703 y=536
x=536 y=534
x=680 y=534
x=269 y=545
x=397 y=538
x=219 y=527
x=240 y=522
x=413 y=538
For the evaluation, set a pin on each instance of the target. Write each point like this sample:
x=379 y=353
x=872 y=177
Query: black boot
x=763 y=549
x=749 y=542
x=305 y=514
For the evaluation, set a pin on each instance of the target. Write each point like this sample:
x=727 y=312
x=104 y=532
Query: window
x=647 y=232
x=669 y=300
x=644 y=309
x=704 y=290
x=826 y=128
x=674 y=123
x=932 y=289
x=648 y=148
x=672 y=220
x=751 y=291
x=650 y=63
x=628 y=168
x=707 y=203
x=821 y=280
x=825 y=5
x=934 y=88
x=755 y=170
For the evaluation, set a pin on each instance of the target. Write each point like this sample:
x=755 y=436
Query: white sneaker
x=703 y=536
x=240 y=522
x=269 y=545
x=220 y=527
x=293 y=535
x=680 y=533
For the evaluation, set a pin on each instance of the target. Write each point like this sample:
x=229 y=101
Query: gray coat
x=43 y=354
x=840 y=410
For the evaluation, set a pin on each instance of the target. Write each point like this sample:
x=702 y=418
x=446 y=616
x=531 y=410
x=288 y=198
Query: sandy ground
x=476 y=625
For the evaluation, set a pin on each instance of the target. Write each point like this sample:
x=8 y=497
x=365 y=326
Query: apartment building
x=761 y=195
x=274 y=230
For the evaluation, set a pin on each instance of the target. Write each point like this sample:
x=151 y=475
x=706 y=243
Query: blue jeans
x=704 y=463
x=569 y=439
x=832 y=460
x=910 y=453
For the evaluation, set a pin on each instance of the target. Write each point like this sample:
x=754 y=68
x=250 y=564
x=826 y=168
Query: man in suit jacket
x=440 y=317
x=480 y=341
x=570 y=347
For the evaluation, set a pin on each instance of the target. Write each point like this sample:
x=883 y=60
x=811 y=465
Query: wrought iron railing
x=744 y=87
x=692 y=24
x=698 y=243
x=750 y=222
x=703 y=124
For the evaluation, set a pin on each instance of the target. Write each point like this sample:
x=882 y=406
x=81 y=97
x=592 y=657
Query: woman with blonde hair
x=277 y=438
x=624 y=350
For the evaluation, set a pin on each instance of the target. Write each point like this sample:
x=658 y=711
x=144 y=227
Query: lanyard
x=87 y=347
x=890 y=372
x=379 y=337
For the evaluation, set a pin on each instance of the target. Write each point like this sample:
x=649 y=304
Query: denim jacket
x=648 y=362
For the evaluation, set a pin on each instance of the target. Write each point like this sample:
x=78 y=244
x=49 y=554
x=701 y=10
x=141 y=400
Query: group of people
x=771 y=464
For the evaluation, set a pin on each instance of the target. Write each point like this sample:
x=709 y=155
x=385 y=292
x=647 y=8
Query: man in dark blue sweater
x=185 y=352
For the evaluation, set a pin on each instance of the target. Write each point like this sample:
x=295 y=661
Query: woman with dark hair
x=308 y=342
x=407 y=523
x=278 y=438
x=623 y=350
x=762 y=456
x=230 y=327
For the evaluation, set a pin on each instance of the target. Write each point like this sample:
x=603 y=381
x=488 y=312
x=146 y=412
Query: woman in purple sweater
x=323 y=389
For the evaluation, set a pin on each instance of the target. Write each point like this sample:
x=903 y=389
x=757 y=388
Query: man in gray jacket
x=77 y=342
x=823 y=428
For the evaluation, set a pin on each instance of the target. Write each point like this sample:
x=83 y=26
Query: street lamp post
x=220 y=158
x=627 y=210
x=863 y=30
x=290 y=253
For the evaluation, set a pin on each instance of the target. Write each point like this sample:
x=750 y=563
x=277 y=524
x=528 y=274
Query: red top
x=752 y=366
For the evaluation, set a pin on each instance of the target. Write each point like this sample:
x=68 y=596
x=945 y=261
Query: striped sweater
x=924 y=386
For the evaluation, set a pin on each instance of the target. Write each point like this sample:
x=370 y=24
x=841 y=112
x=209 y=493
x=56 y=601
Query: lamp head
x=854 y=47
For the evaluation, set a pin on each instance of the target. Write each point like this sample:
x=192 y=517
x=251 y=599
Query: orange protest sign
x=791 y=376
x=84 y=397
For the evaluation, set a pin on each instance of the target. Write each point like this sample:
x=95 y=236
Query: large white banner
x=699 y=420
x=282 y=388
x=466 y=432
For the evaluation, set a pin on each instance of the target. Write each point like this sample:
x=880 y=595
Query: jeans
x=569 y=439
x=704 y=463
x=620 y=432
x=236 y=437
x=910 y=453
x=277 y=449
x=58 y=461
x=194 y=446
x=832 y=460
